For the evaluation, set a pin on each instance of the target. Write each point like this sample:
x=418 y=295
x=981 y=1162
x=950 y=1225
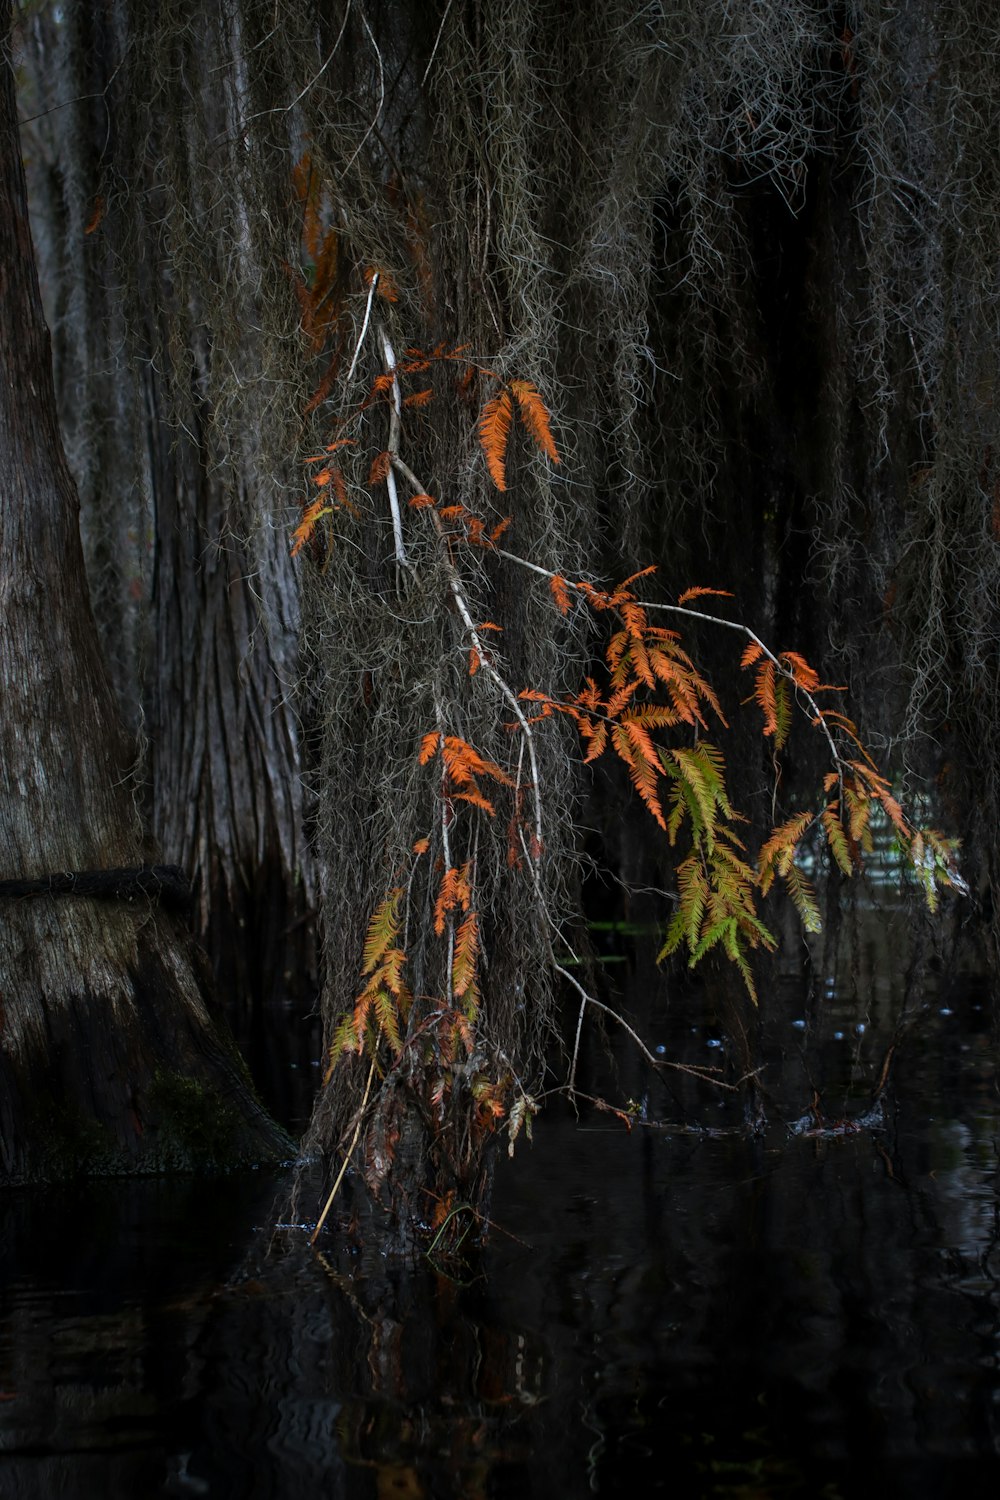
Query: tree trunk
x=225 y=743
x=195 y=595
x=110 y=1058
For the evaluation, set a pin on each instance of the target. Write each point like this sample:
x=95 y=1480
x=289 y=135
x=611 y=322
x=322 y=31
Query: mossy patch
x=196 y=1129
x=70 y=1142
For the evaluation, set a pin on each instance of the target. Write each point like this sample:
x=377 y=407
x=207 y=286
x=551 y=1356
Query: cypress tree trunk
x=226 y=766
x=110 y=1059
x=195 y=596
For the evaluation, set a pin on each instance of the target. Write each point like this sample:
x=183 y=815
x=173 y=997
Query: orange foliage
x=494 y=431
x=698 y=593
x=379 y=471
x=535 y=416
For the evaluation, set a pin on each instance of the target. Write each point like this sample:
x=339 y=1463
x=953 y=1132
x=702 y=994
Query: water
x=800 y=1314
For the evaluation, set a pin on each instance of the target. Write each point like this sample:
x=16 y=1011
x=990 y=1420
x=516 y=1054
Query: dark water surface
x=665 y=1313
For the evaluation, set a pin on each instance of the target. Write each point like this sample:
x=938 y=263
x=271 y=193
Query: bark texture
x=195 y=597
x=110 y=1058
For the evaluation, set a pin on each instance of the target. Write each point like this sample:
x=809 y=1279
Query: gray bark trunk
x=225 y=744
x=110 y=1058
x=195 y=599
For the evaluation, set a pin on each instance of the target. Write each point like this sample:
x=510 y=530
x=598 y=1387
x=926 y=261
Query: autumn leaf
x=765 y=696
x=96 y=217
x=429 y=748
x=535 y=416
x=698 y=593
x=806 y=677
x=307 y=525
x=559 y=590
x=494 y=431
x=633 y=577
x=321 y=458
x=340 y=488
x=463 y=969
x=381 y=464
x=321 y=392
x=454 y=893
x=464 y=763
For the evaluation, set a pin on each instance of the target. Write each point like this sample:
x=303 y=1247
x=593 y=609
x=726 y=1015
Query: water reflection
x=667 y=1313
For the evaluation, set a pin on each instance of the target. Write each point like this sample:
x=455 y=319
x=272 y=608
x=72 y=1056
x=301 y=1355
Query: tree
x=194 y=592
x=699 y=251
x=110 y=1057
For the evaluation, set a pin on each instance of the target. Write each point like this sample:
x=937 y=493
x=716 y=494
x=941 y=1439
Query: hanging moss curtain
x=745 y=251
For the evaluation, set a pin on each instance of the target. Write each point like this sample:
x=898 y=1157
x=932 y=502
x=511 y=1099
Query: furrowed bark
x=110 y=1058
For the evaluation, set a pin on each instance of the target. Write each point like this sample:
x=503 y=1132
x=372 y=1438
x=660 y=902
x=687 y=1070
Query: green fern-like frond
x=702 y=771
x=718 y=932
x=836 y=838
x=777 y=853
x=803 y=898
x=713 y=765
x=345 y=1038
x=692 y=900
x=383 y=930
x=471 y=1002
x=683 y=803
x=782 y=712
x=391 y=975
x=388 y=1018
x=859 y=807
x=733 y=878
x=739 y=958
x=692 y=775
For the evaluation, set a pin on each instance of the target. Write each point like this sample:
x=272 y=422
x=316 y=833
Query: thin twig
x=347 y=1159
x=696 y=614
x=437 y=43
x=446 y=853
x=483 y=651
x=364 y=325
x=705 y=1074
x=737 y=625
x=381 y=96
x=709 y=1132
x=395 y=425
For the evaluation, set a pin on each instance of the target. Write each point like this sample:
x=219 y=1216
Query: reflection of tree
x=785 y=1312
x=107 y=1292
x=399 y=1375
